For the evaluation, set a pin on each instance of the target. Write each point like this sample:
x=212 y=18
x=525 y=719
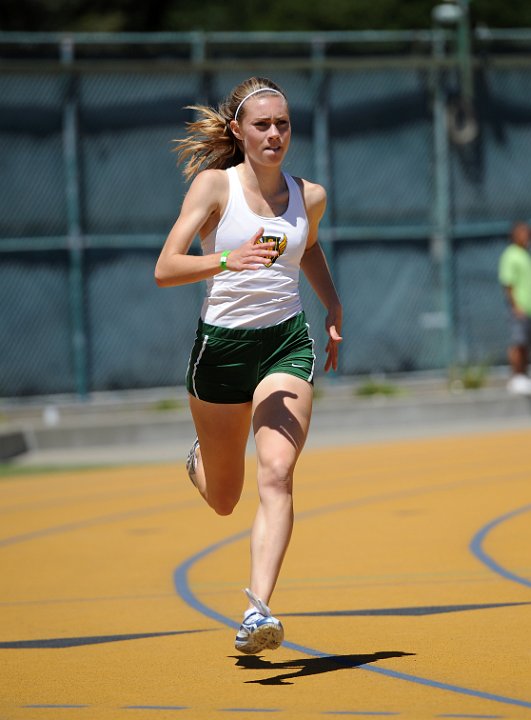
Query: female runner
x=252 y=363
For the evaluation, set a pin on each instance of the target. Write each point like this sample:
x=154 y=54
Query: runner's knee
x=224 y=493
x=275 y=476
x=222 y=505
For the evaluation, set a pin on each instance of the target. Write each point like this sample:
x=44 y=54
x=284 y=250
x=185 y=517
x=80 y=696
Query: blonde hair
x=210 y=143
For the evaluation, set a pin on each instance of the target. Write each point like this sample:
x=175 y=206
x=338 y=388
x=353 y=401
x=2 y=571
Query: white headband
x=262 y=89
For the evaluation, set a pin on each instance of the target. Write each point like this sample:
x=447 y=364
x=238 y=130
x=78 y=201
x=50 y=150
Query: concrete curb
x=12 y=444
x=340 y=417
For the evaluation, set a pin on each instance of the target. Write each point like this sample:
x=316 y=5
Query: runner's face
x=264 y=129
x=521 y=235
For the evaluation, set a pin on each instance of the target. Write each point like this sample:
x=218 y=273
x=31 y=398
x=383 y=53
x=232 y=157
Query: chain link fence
x=90 y=189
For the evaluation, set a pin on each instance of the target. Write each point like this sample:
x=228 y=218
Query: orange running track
x=406 y=590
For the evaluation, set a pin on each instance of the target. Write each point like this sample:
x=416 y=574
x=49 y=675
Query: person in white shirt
x=252 y=363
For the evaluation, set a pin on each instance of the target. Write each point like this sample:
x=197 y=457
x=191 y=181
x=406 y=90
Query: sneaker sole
x=267 y=637
x=191 y=463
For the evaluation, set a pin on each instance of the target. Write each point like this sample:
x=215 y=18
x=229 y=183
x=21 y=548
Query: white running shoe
x=191 y=462
x=259 y=629
x=519 y=385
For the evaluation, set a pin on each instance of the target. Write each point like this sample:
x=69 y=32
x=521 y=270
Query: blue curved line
x=476 y=547
x=182 y=585
x=183 y=589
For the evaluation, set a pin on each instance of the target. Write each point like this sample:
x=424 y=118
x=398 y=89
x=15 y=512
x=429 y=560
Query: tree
x=242 y=15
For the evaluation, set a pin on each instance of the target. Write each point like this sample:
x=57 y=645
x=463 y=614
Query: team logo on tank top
x=280 y=241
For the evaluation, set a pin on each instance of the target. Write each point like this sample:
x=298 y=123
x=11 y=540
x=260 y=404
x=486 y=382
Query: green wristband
x=223 y=259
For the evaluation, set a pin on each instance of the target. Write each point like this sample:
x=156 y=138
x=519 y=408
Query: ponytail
x=210 y=143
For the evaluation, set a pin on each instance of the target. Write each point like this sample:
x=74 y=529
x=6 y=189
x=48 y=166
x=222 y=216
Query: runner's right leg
x=223 y=431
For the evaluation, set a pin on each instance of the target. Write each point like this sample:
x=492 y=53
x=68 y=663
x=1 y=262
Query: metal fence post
x=73 y=214
x=442 y=238
x=198 y=57
x=465 y=54
x=321 y=140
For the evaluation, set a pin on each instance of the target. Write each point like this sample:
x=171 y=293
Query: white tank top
x=270 y=295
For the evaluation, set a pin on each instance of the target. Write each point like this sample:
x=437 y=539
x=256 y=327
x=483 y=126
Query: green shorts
x=226 y=364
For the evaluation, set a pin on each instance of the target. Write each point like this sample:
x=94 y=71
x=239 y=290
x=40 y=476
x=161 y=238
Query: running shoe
x=519 y=385
x=191 y=462
x=259 y=629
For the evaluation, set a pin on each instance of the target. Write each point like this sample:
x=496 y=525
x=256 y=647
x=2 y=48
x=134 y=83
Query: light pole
x=453 y=121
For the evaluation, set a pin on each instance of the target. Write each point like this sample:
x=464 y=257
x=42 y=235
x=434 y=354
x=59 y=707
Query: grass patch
x=468 y=377
x=373 y=387
x=169 y=404
x=9 y=471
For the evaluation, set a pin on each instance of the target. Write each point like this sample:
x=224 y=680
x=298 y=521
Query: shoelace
x=251 y=619
x=258 y=604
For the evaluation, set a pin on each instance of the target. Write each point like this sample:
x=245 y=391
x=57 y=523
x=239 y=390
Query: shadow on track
x=308 y=666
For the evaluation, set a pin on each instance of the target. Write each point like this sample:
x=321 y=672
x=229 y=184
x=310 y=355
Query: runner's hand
x=333 y=328
x=252 y=255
